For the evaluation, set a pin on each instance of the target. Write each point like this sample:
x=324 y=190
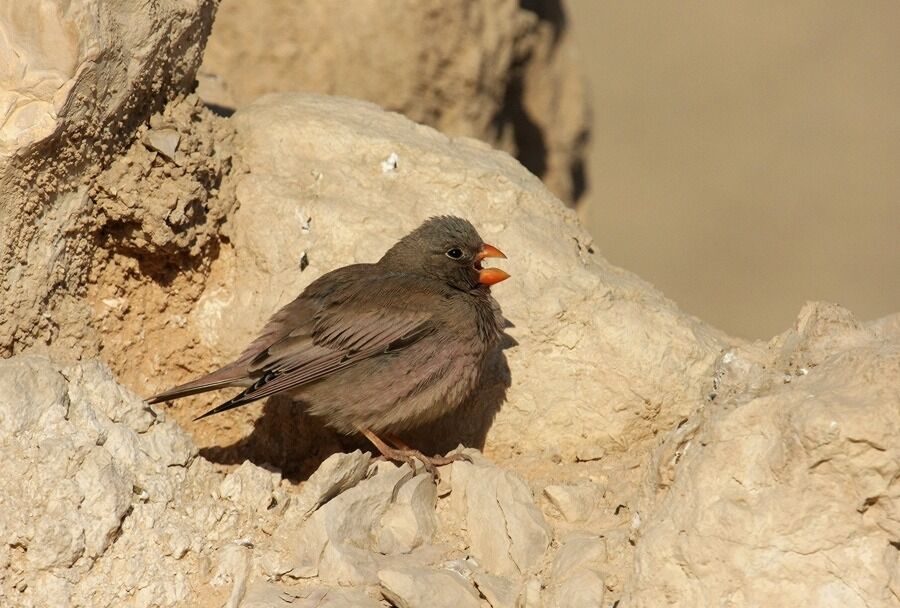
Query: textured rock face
x=786 y=493
x=780 y=489
x=76 y=80
x=105 y=502
x=636 y=455
x=90 y=479
x=499 y=70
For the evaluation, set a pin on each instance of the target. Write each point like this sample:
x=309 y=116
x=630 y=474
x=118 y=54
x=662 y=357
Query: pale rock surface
x=267 y=595
x=785 y=493
x=339 y=542
x=76 y=80
x=502 y=71
x=498 y=591
x=574 y=502
x=90 y=476
x=531 y=595
x=410 y=521
x=583 y=589
x=577 y=551
x=250 y=485
x=576 y=581
x=421 y=588
x=506 y=531
x=337 y=473
x=725 y=473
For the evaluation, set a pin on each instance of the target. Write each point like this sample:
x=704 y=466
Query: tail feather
x=227 y=376
x=236 y=401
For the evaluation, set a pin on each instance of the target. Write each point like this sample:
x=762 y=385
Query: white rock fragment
x=107 y=497
x=336 y=474
x=94 y=392
x=574 y=580
x=251 y=485
x=34 y=380
x=531 y=595
x=411 y=520
x=390 y=163
x=506 y=531
x=170 y=447
x=574 y=502
x=89 y=499
x=234 y=568
x=164 y=141
x=577 y=551
x=337 y=542
x=498 y=591
x=420 y=588
x=583 y=589
x=590 y=452
x=268 y=595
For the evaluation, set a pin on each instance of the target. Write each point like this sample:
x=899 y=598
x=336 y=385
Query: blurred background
x=746 y=155
x=741 y=155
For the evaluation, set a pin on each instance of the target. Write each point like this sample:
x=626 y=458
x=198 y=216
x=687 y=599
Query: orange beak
x=489 y=276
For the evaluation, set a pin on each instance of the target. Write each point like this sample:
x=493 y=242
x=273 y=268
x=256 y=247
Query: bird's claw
x=406 y=477
x=430 y=465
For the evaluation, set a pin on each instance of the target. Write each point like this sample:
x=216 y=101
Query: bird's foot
x=405 y=454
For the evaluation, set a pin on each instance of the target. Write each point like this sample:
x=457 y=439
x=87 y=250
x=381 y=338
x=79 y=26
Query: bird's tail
x=230 y=375
x=236 y=401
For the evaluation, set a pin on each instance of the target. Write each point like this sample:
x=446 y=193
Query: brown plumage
x=377 y=348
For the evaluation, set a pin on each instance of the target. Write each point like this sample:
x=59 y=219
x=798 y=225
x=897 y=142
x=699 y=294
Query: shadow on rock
x=286 y=438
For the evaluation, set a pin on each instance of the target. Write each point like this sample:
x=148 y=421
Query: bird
x=378 y=348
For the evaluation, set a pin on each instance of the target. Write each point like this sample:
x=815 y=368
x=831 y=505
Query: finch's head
x=449 y=249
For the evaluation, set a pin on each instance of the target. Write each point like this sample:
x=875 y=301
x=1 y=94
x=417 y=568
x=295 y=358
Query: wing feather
x=342 y=334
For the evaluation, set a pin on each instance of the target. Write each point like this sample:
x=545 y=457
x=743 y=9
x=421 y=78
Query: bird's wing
x=356 y=324
x=296 y=314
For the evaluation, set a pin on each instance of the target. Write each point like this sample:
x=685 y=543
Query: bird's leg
x=435 y=460
x=404 y=453
x=396 y=442
x=407 y=455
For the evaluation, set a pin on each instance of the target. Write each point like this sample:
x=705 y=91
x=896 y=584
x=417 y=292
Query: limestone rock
x=250 y=485
x=531 y=595
x=77 y=78
x=506 y=531
x=578 y=551
x=234 y=569
x=497 y=70
x=410 y=521
x=740 y=474
x=786 y=496
x=583 y=589
x=575 y=580
x=498 y=591
x=574 y=502
x=164 y=141
x=421 y=588
x=68 y=493
x=267 y=595
x=339 y=472
x=339 y=543
x=105 y=502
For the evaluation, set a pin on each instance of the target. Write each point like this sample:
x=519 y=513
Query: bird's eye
x=454 y=253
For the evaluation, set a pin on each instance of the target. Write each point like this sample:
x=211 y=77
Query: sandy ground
x=745 y=154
